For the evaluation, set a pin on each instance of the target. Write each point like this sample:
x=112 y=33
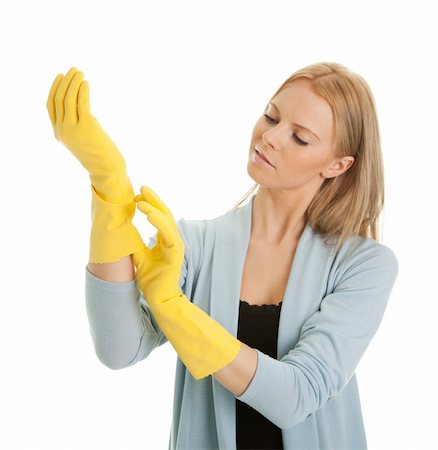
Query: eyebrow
x=296 y=124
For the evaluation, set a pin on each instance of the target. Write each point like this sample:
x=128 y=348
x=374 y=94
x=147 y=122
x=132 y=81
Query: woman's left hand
x=203 y=344
x=159 y=268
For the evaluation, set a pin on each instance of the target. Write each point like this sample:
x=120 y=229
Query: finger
x=151 y=197
x=60 y=94
x=146 y=208
x=137 y=259
x=160 y=221
x=141 y=259
x=50 y=104
x=84 y=100
x=71 y=99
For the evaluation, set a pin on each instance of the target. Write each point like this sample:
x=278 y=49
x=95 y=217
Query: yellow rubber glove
x=113 y=235
x=203 y=344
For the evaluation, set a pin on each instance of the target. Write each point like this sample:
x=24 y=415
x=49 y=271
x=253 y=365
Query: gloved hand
x=112 y=234
x=203 y=345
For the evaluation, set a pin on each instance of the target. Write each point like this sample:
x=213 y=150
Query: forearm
x=121 y=325
x=237 y=375
x=120 y=271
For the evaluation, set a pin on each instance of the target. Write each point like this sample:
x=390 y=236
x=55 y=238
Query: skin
x=286 y=189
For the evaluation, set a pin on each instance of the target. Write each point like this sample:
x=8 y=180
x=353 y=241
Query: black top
x=258 y=328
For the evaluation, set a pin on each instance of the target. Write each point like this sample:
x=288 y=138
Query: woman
x=305 y=244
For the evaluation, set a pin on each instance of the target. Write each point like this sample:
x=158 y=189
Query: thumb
x=160 y=221
x=140 y=258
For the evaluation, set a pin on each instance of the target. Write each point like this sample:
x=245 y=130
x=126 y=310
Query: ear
x=338 y=167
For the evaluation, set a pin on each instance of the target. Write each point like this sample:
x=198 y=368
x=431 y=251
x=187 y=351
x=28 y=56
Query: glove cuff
x=202 y=343
x=113 y=236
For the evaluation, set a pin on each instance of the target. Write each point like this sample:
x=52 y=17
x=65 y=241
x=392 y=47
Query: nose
x=272 y=138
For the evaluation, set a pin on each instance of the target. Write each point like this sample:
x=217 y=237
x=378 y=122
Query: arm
x=237 y=375
x=331 y=344
x=113 y=235
x=122 y=326
x=120 y=271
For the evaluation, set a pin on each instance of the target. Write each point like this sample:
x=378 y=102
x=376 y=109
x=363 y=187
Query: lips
x=263 y=156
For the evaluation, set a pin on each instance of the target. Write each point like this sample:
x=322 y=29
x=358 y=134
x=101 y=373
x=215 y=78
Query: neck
x=278 y=217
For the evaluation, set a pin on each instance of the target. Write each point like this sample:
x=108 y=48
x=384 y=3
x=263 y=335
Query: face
x=301 y=158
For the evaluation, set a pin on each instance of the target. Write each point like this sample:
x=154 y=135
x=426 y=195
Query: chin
x=254 y=174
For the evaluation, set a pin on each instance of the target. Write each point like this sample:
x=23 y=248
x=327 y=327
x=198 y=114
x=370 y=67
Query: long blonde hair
x=348 y=204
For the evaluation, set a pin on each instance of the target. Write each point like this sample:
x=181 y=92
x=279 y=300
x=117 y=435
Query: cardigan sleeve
x=122 y=326
x=331 y=343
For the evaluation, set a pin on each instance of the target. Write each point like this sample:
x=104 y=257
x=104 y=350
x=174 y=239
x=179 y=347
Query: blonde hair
x=348 y=204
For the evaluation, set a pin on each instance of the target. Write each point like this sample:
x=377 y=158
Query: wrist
x=113 y=235
x=157 y=301
x=113 y=187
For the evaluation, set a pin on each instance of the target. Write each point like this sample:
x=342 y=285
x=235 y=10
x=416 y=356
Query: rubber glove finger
x=71 y=99
x=161 y=222
x=137 y=258
x=142 y=260
x=84 y=100
x=148 y=198
x=151 y=197
x=50 y=104
x=60 y=95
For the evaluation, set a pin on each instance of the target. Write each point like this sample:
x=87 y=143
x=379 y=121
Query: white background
x=179 y=86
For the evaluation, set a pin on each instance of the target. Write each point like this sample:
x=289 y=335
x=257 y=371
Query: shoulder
x=374 y=252
x=366 y=255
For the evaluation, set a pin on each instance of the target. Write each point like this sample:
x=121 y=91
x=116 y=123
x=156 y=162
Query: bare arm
x=120 y=271
x=238 y=374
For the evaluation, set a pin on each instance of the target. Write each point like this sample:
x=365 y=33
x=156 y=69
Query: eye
x=299 y=141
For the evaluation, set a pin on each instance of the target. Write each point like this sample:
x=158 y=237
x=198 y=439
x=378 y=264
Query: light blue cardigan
x=332 y=308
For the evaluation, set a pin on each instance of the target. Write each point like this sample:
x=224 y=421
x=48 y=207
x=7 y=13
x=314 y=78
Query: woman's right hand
x=68 y=105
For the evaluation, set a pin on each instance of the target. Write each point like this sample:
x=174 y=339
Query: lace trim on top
x=263 y=307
